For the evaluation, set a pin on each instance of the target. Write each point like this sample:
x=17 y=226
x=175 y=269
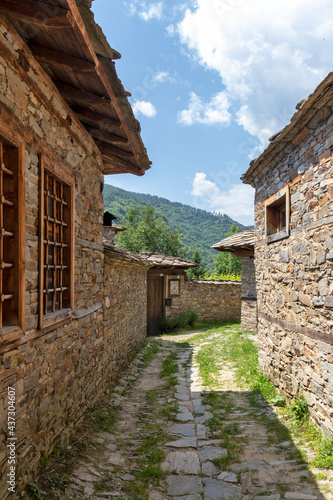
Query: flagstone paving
x=191 y=459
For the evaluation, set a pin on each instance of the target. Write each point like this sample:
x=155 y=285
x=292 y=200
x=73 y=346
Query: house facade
x=294 y=254
x=242 y=245
x=65 y=121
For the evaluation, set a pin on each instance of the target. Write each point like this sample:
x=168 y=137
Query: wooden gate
x=155 y=303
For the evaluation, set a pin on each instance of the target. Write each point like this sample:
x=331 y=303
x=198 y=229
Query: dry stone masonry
x=294 y=273
x=210 y=299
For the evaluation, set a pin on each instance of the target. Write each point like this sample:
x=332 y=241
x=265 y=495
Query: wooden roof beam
x=107 y=137
x=62 y=61
x=37 y=14
x=75 y=94
x=114 y=165
x=97 y=120
x=108 y=149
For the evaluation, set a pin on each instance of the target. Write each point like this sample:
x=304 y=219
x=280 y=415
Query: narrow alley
x=186 y=429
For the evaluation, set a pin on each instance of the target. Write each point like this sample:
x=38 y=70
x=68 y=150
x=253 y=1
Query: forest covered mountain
x=200 y=229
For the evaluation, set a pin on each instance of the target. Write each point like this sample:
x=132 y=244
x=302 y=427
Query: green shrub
x=324 y=457
x=181 y=321
x=299 y=409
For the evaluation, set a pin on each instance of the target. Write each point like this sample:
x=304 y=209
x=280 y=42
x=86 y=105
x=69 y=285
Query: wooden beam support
x=97 y=120
x=37 y=14
x=114 y=165
x=72 y=93
x=107 y=137
x=62 y=61
x=108 y=149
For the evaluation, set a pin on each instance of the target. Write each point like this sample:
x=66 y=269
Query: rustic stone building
x=294 y=253
x=242 y=245
x=64 y=122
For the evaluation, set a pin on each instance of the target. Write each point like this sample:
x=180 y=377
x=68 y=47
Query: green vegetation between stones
x=187 y=318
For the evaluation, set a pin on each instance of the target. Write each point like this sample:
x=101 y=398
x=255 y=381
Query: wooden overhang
x=64 y=38
x=238 y=244
x=311 y=112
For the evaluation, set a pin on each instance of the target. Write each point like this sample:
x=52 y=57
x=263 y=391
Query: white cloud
x=237 y=201
x=213 y=113
x=152 y=11
x=144 y=108
x=145 y=10
x=164 y=76
x=269 y=54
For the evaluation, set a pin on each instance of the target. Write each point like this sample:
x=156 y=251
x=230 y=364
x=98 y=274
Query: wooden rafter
x=108 y=149
x=96 y=119
x=37 y=14
x=107 y=137
x=113 y=163
x=75 y=94
x=62 y=61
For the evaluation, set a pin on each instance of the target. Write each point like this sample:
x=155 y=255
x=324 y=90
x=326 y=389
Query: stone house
x=65 y=121
x=242 y=245
x=294 y=253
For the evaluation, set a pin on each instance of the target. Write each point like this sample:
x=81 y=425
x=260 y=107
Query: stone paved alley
x=165 y=436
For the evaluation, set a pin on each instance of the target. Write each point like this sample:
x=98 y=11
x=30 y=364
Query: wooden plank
x=62 y=61
x=155 y=304
x=41 y=241
x=96 y=119
x=112 y=163
x=21 y=237
x=107 y=137
x=108 y=149
x=120 y=167
x=75 y=94
x=37 y=14
x=303 y=330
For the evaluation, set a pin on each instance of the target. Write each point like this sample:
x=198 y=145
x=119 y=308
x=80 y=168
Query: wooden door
x=155 y=306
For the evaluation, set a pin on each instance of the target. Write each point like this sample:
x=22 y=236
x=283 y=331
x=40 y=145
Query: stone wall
x=210 y=299
x=249 y=295
x=294 y=275
x=125 y=310
x=59 y=371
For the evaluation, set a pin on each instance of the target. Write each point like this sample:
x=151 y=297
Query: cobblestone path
x=164 y=438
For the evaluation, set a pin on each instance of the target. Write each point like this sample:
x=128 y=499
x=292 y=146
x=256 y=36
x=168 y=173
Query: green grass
x=169 y=365
x=150 y=348
x=170 y=412
x=102 y=419
x=242 y=353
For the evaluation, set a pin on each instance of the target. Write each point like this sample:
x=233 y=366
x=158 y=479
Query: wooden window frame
x=277 y=216
x=169 y=287
x=14 y=331
x=61 y=173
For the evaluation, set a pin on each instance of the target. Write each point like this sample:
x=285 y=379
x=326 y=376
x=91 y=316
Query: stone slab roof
x=244 y=240
x=149 y=259
x=311 y=112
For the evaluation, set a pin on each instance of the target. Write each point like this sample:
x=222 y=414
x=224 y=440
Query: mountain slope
x=199 y=228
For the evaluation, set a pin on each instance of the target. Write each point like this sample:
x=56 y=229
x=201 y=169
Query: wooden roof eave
x=133 y=158
x=106 y=71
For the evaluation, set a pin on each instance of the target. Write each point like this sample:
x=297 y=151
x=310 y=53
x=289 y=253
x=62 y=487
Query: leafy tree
x=224 y=263
x=200 y=271
x=200 y=229
x=148 y=232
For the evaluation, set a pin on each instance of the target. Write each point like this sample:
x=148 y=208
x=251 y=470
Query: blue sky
x=211 y=81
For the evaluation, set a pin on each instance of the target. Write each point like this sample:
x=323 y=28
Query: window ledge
x=281 y=235
x=56 y=319
x=9 y=334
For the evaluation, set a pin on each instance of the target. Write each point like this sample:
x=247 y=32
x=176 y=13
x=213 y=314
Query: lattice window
x=57 y=246
x=9 y=235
